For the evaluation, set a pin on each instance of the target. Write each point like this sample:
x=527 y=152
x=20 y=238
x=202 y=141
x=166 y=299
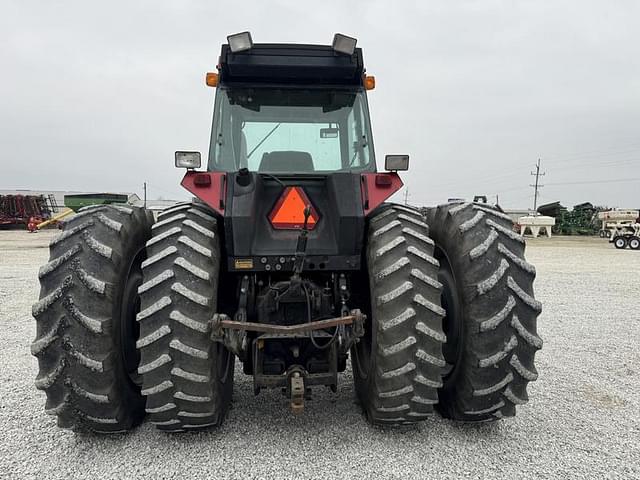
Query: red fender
x=377 y=187
x=210 y=187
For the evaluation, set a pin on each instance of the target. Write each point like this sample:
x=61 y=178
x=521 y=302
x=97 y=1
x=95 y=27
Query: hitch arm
x=284 y=329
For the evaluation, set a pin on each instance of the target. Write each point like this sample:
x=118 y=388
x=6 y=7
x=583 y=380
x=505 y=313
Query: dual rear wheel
x=453 y=317
x=123 y=321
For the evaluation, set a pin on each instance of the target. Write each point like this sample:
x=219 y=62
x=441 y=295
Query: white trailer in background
x=616 y=219
x=626 y=235
x=536 y=223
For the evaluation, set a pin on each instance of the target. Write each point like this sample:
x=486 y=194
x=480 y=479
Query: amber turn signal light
x=212 y=79
x=369 y=82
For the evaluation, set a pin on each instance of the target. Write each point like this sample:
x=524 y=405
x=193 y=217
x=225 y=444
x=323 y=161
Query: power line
x=603 y=158
x=580 y=156
x=588 y=182
x=595 y=165
x=536 y=187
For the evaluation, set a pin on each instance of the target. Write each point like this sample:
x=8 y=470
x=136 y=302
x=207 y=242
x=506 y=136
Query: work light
x=344 y=44
x=239 y=42
x=188 y=160
x=396 y=162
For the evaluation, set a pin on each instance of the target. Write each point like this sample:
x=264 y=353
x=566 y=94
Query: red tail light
x=288 y=212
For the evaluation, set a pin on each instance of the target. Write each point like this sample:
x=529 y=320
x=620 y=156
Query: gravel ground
x=583 y=420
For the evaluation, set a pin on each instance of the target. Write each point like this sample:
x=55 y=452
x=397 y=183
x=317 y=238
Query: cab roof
x=271 y=63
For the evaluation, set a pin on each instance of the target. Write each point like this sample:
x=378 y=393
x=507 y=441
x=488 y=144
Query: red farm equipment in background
x=24 y=209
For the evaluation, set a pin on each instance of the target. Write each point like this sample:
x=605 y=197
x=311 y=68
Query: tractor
x=289 y=262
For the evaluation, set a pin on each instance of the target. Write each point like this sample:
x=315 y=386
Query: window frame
x=222 y=115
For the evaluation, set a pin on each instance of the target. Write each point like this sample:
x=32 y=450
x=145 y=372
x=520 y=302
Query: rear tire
x=397 y=364
x=634 y=243
x=187 y=378
x=86 y=328
x=620 y=243
x=491 y=312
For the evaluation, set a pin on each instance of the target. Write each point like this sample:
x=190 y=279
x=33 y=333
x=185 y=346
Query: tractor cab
x=291 y=108
x=292 y=129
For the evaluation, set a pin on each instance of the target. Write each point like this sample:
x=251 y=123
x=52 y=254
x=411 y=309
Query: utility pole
x=536 y=187
x=145 y=194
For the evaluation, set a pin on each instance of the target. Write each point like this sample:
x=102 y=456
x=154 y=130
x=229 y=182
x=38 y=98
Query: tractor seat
x=286 y=161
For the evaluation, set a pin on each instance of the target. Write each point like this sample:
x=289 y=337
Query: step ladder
x=53 y=204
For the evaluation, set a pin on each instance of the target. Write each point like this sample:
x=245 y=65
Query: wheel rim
x=129 y=328
x=453 y=322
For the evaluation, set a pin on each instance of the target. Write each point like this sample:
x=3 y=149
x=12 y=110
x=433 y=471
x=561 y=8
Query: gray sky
x=98 y=95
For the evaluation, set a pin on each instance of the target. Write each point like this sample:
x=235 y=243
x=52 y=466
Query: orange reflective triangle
x=289 y=211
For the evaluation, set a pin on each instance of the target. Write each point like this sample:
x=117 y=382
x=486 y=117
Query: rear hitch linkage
x=233 y=335
x=225 y=330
